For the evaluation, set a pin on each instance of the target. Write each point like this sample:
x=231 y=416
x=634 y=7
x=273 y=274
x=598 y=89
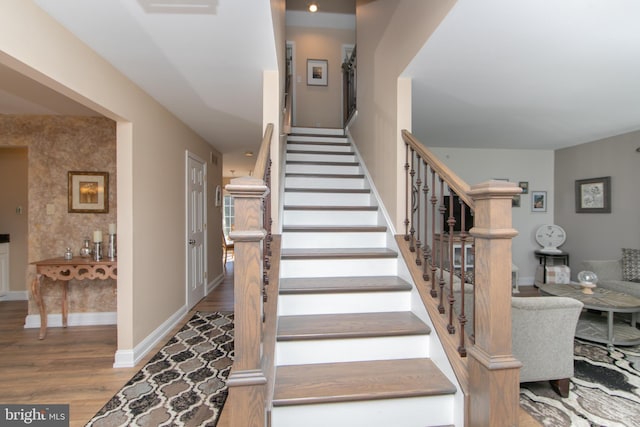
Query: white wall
x=534 y=166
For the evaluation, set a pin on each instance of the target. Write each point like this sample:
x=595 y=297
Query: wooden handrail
x=457 y=184
x=288 y=105
x=489 y=376
x=262 y=161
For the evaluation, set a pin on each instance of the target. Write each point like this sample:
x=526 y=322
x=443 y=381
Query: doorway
x=196 y=235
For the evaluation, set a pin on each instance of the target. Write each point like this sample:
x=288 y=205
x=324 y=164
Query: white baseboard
x=526 y=281
x=14 y=296
x=130 y=357
x=74 y=319
x=214 y=283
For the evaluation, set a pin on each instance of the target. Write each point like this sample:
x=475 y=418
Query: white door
x=196 y=208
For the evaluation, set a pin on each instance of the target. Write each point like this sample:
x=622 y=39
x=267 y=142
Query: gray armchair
x=543 y=334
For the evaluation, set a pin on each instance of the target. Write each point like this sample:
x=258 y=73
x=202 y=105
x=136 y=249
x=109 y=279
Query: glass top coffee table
x=592 y=325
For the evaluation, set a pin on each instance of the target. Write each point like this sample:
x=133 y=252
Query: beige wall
x=56 y=146
x=274 y=111
x=599 y=236
x=151 y=145
x=389 y=34
x=13 y=194
x=319 y=106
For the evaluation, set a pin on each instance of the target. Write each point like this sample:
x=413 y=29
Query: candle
x=97 y=236
x=112 y=229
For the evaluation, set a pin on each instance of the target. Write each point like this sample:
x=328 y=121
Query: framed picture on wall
x=515 y=202
x=525 y=186
x=317 y=72
x=88 y=192
x=218 y=199
x=538 y=201
x=593 y=195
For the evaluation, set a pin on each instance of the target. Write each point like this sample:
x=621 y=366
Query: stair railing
x=349 y=87
x=287 y=117
x=252 y=237
x=471 y=306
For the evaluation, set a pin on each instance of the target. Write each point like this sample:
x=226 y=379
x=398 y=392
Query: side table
x=544 y=256
x=67 y=270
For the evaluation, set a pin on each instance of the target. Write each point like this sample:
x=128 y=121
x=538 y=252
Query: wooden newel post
x=247 y=380
x=494 y=373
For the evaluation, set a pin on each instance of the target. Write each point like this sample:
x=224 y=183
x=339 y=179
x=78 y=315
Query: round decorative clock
x=550 y=236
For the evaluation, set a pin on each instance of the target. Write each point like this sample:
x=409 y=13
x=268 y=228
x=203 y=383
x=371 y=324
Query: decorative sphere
x=587 y=277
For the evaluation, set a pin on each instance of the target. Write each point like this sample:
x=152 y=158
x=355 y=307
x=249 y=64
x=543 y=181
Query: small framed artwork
x=317 y=72
x=538 y=201
x=88 y=192
x=525 y=187
x=593 y=195
x=218 y=196
x=515 y=202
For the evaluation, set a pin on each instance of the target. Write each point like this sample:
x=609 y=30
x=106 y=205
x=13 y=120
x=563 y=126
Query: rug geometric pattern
x=604 y=391
x=184 y=384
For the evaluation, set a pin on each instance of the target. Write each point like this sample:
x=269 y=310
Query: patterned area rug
x=605 y=390
x=184 y=384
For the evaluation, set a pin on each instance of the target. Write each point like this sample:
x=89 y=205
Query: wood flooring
x=75 y=365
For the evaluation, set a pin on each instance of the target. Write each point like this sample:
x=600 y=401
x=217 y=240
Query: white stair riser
x=351 y=350
x=319 y=147
x=316 y=131
x=321 y=182
x=334 y=240
x=340 y=303
x=339 y=267
x=326 y=199
x=408 y=412
x=306 y=168
x=338 y=158
x=295 y=217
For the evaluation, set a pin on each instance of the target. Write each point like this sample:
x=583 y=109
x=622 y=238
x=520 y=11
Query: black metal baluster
x=451 y=222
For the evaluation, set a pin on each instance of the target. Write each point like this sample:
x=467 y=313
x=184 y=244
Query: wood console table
x=66 y=270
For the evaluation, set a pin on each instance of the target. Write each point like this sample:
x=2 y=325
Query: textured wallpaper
x=57 y=145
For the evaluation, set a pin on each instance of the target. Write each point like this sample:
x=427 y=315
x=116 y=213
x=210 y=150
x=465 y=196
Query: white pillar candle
x=112 y=229
x=97 y=236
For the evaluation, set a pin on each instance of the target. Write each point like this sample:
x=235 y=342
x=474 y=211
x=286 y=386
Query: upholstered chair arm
x=543 y=334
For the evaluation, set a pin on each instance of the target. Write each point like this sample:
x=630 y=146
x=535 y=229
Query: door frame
x=190 y=155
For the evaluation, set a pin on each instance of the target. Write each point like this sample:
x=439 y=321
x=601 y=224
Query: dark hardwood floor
x=73 y=365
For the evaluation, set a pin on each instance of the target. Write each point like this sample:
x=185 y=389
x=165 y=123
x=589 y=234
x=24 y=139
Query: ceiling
x=540 y=74
x=537 y=74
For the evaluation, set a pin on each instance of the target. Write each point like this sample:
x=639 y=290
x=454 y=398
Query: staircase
x=349 y=350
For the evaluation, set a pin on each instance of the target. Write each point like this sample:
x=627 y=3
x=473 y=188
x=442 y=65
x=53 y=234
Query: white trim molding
x=214 y=284
x=74 y=319
x=128 y=358
x=15 y=296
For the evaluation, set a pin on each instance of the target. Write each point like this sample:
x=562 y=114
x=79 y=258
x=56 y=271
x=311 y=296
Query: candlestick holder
x=111 y=248
x=97 y=251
